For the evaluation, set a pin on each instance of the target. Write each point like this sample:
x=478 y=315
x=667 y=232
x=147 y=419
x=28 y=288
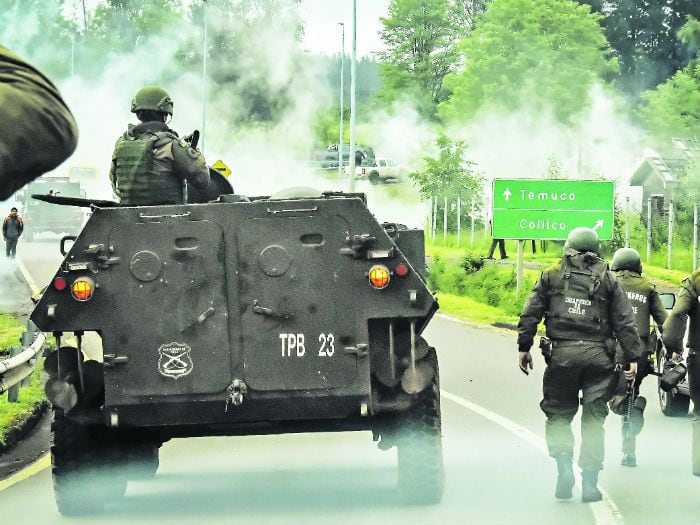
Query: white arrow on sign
x=598 y=224
x=507 y=194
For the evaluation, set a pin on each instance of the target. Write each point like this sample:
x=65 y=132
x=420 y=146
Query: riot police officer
x=688 y=305
x=645 y=301
x=583 y=307
x=38 y=130
x=151 y=164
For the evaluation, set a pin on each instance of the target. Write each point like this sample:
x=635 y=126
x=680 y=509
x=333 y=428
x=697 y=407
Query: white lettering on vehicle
x=295 y=345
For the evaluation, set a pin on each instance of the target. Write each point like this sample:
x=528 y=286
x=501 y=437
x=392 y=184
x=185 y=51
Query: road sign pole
x=519 y=268
x=670 y=232
x=648 y=229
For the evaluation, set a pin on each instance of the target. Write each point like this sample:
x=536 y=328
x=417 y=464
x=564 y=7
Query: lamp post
x=204 y=75
x=342 y=87
x=353 y=75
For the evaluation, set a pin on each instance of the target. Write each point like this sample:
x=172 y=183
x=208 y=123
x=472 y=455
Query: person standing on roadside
x=12 y=228
x=584 y=309
x=646 y=304
x=688 y=306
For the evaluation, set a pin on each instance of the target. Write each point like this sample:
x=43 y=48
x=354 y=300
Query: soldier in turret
x=151 y=164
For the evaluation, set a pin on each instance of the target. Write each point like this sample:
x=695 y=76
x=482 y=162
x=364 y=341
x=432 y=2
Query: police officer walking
x=584 y=307
x=688 y=305
x=151 y=164
x=645 y=301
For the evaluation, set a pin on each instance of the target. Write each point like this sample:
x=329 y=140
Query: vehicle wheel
x=81 y=458
x=374 y=177
x=143 y=460
x=673 y=404
x=420 y=464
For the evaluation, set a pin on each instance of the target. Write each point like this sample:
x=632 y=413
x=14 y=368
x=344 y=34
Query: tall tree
x=643 y=35
x=540 y=54
x=420 y=36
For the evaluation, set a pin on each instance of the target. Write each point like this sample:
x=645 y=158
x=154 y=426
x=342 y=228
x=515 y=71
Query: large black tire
x=673 y=404
x=81 y=458
x=420 y=464
x=143 y=459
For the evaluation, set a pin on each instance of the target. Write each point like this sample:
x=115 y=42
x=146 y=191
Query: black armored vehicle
x=243 y=316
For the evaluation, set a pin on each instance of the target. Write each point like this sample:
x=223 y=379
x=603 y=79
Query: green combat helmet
x=626 y=259
x=583 y=240
x=152 y=98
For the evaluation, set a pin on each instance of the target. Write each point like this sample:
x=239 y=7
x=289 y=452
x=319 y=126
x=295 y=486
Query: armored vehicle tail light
x=82 y=289
x=401 y=270
x=60 y=283
x=379 y=276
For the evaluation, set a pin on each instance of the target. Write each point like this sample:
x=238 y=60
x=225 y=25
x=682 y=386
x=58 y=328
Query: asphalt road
x=497 y=471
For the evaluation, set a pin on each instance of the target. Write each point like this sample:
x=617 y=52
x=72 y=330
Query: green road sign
x=550 y=209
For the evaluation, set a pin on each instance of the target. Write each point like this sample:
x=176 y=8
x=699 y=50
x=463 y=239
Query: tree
x=448 y=176
x=420 y=36
x=540 y=54
x=643 y=35
x=37 y=30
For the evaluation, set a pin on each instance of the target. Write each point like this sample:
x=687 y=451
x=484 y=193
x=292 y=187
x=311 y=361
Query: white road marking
x=27 y=276
x=605 y=512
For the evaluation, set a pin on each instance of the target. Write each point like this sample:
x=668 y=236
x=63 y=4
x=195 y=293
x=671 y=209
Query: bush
x=472 y=261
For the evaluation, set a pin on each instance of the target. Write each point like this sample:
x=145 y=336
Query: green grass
x=29 y=397
x=10 y=331
x=469 y=309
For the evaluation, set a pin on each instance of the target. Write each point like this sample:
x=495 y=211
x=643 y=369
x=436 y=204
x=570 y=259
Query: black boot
x=589 y=487
x=565 y=480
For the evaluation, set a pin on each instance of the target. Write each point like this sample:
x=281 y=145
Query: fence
x=16 y=370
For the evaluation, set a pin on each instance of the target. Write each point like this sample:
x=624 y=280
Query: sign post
x=550 y=209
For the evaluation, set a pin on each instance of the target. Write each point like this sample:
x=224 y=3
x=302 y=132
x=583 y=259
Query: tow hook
x=236 y=393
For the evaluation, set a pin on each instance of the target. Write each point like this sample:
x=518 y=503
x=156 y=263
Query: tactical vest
x=638 y=291
x=694 y=315
x=137 y=179
x=578 y=306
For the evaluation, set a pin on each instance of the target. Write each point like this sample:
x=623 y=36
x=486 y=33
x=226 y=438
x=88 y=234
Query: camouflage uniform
x=687 y=305
x=39 y=131
x=580 y=320
x=150 y=163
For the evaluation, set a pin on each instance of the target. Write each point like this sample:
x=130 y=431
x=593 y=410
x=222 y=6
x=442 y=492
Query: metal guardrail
x=16 y=369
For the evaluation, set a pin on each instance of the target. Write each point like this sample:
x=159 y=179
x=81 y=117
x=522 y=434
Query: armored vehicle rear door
x=295 y=302
x=170 y=312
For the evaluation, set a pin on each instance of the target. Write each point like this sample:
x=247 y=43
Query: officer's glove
x=525 y=361
x=631 y=372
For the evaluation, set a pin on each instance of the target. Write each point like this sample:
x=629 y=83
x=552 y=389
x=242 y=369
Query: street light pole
x=204 y=77
x=353 y=75
x=342 y=87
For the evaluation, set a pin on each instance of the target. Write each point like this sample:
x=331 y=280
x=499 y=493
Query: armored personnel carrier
x=242 y=316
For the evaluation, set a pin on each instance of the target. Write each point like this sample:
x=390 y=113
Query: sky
x=323 y=35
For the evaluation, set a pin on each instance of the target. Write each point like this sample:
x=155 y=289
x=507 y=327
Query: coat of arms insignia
x=174 y=360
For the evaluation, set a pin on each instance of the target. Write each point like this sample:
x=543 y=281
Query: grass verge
x=11 y=414
x=10 y=331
